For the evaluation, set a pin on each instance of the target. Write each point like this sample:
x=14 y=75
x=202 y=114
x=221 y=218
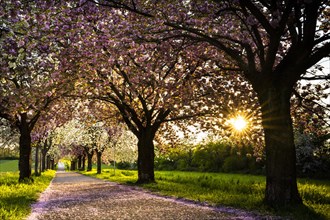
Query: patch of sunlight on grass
x=120 y=176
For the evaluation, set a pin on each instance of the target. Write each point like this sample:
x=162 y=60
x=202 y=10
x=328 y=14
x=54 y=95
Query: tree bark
x=89 y=160
x=43 y=161
x=36 y=162
x=47 y=162
x=52 y=164
x=146 y=156
x=40 y=162
x=79 y=162
x=73 y=164
x=45 y=148
x=83 y=162
x=99 y=161
x=24 y=164
x=281 y=182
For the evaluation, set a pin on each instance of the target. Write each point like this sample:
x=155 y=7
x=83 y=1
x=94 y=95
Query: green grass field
x=235 y=190
x=8 y=165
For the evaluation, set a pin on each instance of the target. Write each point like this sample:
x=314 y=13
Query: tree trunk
x=89 y=161
x=83 y=162
x=36 y=162
x=146 y=157
x=73 y=164
x=43 y=161
x=281 y=182
x=99 y=161
x=47 y=162
x=45 y=148
x=79 y=162
x=52 y=164
x=40 y=162
x=24 y=163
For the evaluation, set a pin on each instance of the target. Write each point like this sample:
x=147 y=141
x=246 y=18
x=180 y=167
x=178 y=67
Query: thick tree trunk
x=24 y=163
x=146 y=157
x=281 y=183
x=99 y=161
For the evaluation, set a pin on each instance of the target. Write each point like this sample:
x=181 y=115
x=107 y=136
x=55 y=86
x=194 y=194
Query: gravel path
x=75 y=196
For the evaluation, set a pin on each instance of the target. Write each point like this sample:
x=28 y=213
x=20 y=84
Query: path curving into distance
x=75 y=196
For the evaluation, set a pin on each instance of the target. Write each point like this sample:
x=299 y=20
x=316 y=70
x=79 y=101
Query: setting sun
x=238 y=123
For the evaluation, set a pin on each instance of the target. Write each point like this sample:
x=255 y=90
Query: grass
x=8 y=165
x=235 y=190
x=16 y=198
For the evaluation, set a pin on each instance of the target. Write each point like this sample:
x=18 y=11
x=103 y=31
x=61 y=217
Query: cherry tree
x=97 y=139
x=30 y=77
x=148 y=87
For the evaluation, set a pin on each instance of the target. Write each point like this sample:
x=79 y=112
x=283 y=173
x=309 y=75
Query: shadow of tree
x=299 y=212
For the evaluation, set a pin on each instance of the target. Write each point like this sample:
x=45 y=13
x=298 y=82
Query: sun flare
x=238 y=123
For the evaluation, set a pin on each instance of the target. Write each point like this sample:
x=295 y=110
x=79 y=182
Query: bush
x=163 y=163
x=312 y=156
x=9 y=158
x=126 y=165
x=210 y=157
x=235 y=163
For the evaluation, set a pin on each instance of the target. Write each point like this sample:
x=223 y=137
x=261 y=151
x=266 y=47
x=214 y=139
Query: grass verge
x=235 y=190
x=16 y=198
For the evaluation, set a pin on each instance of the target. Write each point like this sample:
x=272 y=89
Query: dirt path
x=74 y=196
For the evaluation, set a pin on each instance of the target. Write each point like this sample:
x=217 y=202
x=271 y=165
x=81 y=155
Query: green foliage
x=8 y=165
x=235 y=190
x=16 y=198
x=126 y=165
x=9 y=158
x=235 y=163
x=210 y=157
x=312 y=155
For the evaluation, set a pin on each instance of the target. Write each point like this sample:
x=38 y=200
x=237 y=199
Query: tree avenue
x=161 y=62
x=272 y=43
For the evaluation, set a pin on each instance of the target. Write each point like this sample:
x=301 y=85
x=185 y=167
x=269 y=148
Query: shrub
x=164 y=163
x=125 y=165
x=235 y=163
x=210 y=157
x=312 y=156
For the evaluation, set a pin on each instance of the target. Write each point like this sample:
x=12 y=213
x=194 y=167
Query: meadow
x=234 y=190
x=16 y=198
x=8 y=165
